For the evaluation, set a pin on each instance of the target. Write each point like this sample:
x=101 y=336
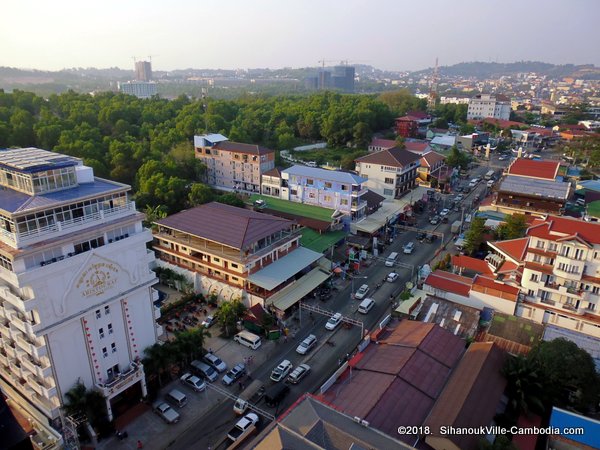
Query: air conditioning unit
x=364 y=423
x=357 y=419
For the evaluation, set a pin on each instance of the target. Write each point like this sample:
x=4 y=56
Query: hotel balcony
x=359 y=193
x=60 y=228
x=41 y=388
x=122 y=381
x=571 y=308
x=31 y=347
x=14 y=300
x=576 y=276
x=39 y=369
x=358 y=206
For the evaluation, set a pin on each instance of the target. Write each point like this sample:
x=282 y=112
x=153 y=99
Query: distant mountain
x=491 y=70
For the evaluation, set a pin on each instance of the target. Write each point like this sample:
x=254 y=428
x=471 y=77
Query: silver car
x=165 y=411
x=307 y=344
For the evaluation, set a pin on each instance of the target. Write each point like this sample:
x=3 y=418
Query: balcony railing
x=122 y=380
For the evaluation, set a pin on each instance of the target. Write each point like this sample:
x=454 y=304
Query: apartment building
x=487 y=105
x=76 y=297
x=341 y=191
x=238 y=253
x=232 y=165
x=391 y=172
x=560 y=263
x=139 y=89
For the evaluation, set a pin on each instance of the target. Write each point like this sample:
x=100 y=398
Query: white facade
x=389 y=181
x=76 y=302
x=486 y=105
x=140 y=89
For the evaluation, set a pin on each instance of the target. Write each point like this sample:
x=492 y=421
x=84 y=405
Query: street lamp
x=352 y=277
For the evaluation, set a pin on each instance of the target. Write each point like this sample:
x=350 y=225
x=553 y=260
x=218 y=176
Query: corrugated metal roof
x=235 y=227
x=292 y=293
x=31 y=159
x=284 y=268
x=535 y=186
x=324 y=174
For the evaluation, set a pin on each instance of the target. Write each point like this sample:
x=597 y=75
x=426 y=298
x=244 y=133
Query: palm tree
x=524 y=387
x=86 y=402
x=157 y=360
x=76 y=403
x=226 y=316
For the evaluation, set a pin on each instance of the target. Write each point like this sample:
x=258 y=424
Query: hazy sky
x=394 y=34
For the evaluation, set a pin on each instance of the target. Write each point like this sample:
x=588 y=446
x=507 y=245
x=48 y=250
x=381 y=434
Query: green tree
x=229 y=313
x=457 y=159
x=524 y=387
x=475 y=236
x=81 y=401
x=231 y=199
x=500 y=443
x=188 y=345
x=200 y=194
x=157 y=361
x=154 y=214
x=568 y=372
x=514 y=227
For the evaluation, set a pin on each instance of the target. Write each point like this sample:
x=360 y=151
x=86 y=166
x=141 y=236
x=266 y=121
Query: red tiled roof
x=385 y=143
x=418 y=114
x=532 y=168
x=393 y=157
x=500 y=123
x=507 y=266
x=513 y=248
x=454 y=284
x=431 y=159
x=416 y=147
x=242 y=148
x=557 y=228
x=493 y=284
x=274 y=172
x=541 y=131
x=474 y=264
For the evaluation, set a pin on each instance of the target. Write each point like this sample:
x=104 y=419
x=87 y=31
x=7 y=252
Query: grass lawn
x=333 y=156
x=320 y=242
x=300 y=209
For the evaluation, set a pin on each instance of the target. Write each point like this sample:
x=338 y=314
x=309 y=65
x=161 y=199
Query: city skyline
x=387 y=35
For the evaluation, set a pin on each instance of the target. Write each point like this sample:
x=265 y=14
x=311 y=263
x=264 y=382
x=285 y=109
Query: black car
x=430 y=238
x=421 y=237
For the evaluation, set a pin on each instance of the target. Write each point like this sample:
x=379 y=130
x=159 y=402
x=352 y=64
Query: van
x=276 y=394
x=248 y=339
x=366 y=305
x=490 y=184
x=177 y=398
x=489 y=175
x=204 y=370
x=473 y=183
x=391 y=260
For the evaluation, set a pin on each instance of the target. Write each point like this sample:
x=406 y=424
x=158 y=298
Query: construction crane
x=323 y=61
x=345 y=62
x=433 y=88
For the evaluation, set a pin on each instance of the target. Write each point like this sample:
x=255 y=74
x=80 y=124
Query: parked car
x=421 y=237
x=430 y=238
x=408 y=248
x=459 y=198
x=334 y=321
x=307 y=344
x=236 y=372
x=165 y=412
x=193 y=381
x=434 y=220
x=502 y=158
x=215 y=362
x=242 y=425
x=444 y=212
x=281 y=371
x=362 y=292
x=208 y=322
x=392 y=276
x=298 y=373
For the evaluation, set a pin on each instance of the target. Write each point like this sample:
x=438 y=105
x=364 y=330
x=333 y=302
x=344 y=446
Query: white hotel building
x=76 y=302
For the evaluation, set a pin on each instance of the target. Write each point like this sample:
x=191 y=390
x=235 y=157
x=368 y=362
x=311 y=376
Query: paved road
x=213 y=426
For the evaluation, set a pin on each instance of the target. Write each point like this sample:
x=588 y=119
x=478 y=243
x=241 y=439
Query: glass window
x=106 y=310
x=98 y=315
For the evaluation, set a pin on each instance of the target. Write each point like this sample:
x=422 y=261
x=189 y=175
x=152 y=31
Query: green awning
x=292 y=293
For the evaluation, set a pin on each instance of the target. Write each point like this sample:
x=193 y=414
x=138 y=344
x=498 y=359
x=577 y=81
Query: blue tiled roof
x=16 y=202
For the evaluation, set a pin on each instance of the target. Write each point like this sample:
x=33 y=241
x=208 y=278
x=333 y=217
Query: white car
x=362 y=292
x=281 y=371
x=165 y=411
x=208 y=322
x=215 y=362
x=445 y=212
x=334 y=321
x=459 y=198
x=242 y=425
x=299 y=372
x=409 y=248
x=193 y=381
x=307 y=344
x=393 y=276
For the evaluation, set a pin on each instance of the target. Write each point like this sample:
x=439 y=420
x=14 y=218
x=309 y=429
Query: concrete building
x=391 y=172
x=140 y=89
x=76 y=297
x=143 y=71
x=341 y=191
x=487 y=105
x=232 y=165
x=238 y=253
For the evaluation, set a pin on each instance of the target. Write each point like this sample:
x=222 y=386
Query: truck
x=243 y=428
x=251 y=394
x=455 y=228
x=489 y=175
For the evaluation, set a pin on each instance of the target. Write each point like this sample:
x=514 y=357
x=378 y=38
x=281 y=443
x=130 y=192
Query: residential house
x=417 y=146
x=271 y=182
x=238 y=253
x=391 y=173
x=430 y=165
x=407 y=126
x=473 y=141
x=378 y=144
x=232 y=165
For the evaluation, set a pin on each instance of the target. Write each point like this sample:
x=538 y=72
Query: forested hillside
x=148 y=143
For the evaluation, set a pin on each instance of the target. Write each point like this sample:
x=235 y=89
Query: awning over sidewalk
x=292 y=293
x=284 y=268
